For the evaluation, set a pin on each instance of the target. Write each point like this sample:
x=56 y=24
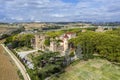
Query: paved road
x=25 y=53
x=18 y=63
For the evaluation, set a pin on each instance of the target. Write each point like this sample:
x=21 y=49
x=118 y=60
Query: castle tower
x=37 y=41
x=53 y=46
x=100 y=29
x=65 y=43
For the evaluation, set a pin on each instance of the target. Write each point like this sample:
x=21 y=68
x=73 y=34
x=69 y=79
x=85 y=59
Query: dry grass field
x=8 y=71
x=31 y=26
x=6 y=28
x=2 y=41
x=95 y=69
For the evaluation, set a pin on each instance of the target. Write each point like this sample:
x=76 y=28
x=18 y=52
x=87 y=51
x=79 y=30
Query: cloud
x=59 y=10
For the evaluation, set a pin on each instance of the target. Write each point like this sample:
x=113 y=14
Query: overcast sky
x=59 y=10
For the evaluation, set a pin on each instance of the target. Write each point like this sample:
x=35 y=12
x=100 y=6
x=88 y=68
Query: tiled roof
x=70 y=33
x=66 y=36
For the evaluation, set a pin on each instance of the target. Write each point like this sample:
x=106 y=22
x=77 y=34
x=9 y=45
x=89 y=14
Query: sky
x=59 y=10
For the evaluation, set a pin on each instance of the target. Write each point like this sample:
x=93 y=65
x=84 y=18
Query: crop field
x=2 y=41
x=8 y=71
x=6 y=28
x=95 y=69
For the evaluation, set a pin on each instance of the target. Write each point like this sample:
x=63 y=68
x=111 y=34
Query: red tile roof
x=70 y=33
x=66 y=36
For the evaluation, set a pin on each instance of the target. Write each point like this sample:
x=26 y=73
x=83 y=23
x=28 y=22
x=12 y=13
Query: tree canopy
x=20 y=40
x=106 y=44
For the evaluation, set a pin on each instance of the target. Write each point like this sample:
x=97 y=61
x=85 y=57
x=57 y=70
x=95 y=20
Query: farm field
x=8 y=71
x=2 y=41
x=7 y=28
x=95 y=69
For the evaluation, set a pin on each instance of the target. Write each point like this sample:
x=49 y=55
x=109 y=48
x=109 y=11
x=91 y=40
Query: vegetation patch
x=45 y=65
x=105 y=44
x=85 y=70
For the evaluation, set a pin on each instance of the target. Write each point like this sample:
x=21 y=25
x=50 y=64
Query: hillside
x=95 y=69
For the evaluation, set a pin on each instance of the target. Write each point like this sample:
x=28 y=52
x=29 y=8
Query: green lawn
x=95 y=69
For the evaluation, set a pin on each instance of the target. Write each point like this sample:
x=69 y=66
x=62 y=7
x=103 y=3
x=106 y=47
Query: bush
x=47 y=42
x=72 y=54
x=49 y=64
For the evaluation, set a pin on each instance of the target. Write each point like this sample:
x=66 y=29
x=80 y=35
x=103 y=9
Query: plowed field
x=8 y=70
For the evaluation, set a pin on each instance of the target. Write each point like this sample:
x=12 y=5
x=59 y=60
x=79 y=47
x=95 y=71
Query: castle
x=38 y=42
x=63 y=43
x=58 y=44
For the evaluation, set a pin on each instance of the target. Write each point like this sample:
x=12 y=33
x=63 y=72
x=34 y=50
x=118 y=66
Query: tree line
x=19 y=40
x=105 y=44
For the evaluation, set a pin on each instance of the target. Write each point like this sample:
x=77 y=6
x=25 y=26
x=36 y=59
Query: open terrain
x=2 y=41
x=95 y=69
x=8 y=71
x=6 y=28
